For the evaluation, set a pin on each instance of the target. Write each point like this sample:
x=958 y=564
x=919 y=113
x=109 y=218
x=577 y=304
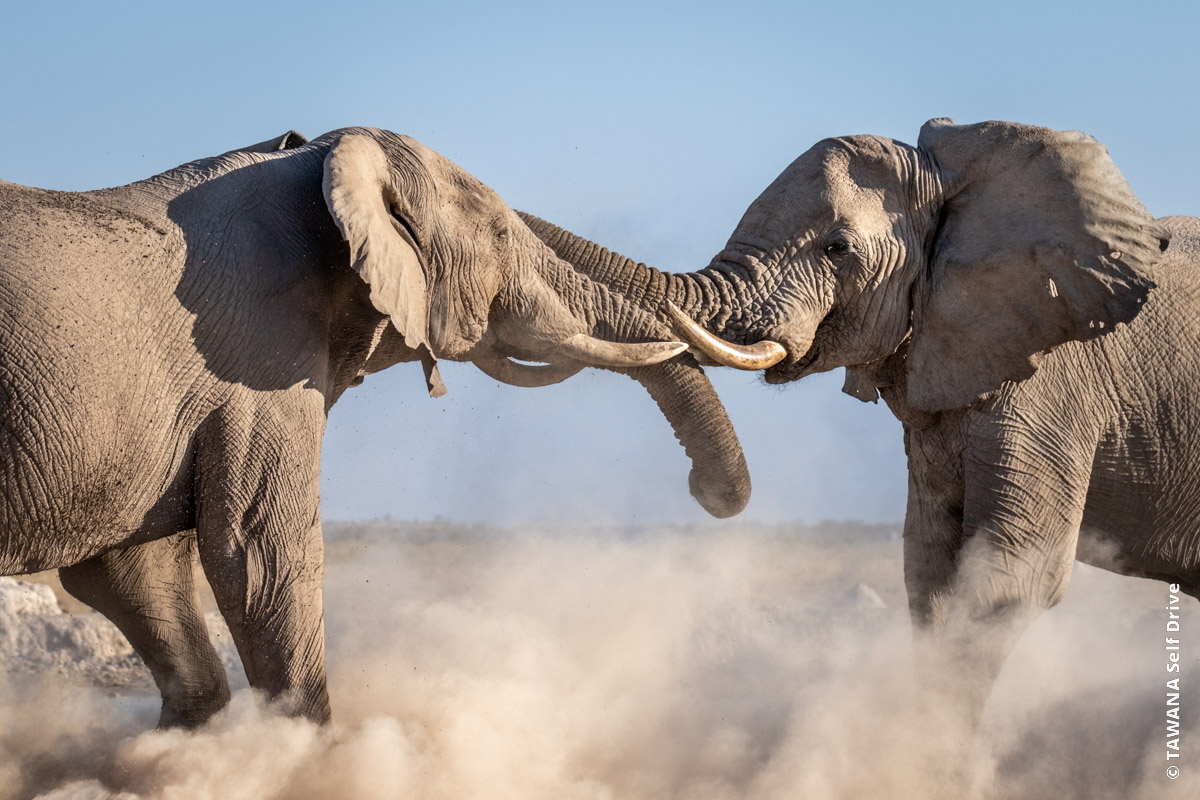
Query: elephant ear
x=361 y=197
x=1040 y=242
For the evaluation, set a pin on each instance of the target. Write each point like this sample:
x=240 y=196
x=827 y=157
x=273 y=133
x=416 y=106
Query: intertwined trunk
x=710 y=296
x=719 y=479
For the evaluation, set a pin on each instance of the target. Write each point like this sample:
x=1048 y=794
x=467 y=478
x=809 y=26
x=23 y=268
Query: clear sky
x=647 y=127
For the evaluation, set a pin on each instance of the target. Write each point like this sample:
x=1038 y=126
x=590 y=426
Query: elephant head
x=461 y=276
x=971 y=254
x=457 y=273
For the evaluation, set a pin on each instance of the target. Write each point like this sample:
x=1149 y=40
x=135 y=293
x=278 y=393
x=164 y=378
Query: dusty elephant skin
x=1032 y=327
x=171 y=349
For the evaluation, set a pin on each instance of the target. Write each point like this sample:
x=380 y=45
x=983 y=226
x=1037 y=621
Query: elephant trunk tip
x=722 y=499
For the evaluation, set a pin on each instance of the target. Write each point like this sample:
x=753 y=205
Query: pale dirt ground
x=710 y=663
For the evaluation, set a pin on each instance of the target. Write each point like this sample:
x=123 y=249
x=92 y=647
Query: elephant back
x=1185 y=239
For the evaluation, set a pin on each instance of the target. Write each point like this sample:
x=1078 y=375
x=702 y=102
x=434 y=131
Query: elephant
x=1029 y=323
x=170 y=350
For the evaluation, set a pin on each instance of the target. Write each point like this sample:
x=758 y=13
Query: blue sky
x=647 y=128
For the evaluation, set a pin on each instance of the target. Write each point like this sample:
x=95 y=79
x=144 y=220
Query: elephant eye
x=500 y=230
x=838 y=246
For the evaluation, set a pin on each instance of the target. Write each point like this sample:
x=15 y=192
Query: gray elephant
x=170 y=350
x=1021 y=314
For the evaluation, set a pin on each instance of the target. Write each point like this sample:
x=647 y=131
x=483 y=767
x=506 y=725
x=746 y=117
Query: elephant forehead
x=869 y=162
x=825 y=163
x=455 y=184
x=419 y=151
x=469 y=196
x=819 y=194
x=869 y=211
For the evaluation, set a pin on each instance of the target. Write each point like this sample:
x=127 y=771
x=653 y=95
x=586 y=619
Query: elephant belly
x=59 y=508
x=1143 y=513
x=88 y=461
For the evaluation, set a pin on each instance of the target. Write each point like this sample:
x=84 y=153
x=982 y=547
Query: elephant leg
x=259 y=535
x=933 y=521
x=1024 y=493
x=933 y=538
x=149 y=593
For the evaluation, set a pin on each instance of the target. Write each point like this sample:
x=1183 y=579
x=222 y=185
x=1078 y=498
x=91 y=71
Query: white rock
x=37 y=637
x=25 y=599
x=861 y=597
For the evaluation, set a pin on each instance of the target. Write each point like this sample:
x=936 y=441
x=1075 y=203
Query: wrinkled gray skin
x=169 y=351
x=939 y=276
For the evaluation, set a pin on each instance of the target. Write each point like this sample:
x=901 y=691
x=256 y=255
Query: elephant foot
x=194 y=708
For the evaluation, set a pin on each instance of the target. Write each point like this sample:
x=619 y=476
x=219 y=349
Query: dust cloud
x=705 y=663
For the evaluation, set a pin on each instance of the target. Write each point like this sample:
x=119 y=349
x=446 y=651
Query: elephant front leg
x=148 y=591
x=259 y=535
x=933 y=538
x=1024 y=492
x=961 y=655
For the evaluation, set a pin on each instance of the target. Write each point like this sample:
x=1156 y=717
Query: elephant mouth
x=761 y=355
x=793 y=369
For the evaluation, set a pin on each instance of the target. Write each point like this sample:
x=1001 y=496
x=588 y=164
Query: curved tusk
x=528 y=376
x=759 y=355
x=590 y=350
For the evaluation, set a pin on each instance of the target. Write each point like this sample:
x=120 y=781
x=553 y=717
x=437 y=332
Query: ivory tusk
x=529 y=376
x=591 y=350
x=759 y=355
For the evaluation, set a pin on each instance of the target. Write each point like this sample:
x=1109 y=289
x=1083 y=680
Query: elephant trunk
x=703 y=295
x=719 y=480
x=704 y=306
x=555 y=314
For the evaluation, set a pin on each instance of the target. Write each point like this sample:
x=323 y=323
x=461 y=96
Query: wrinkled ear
x=360 y=195
x=1040 y=242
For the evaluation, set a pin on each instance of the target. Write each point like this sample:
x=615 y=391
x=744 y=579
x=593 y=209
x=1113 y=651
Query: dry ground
x=732 y=661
